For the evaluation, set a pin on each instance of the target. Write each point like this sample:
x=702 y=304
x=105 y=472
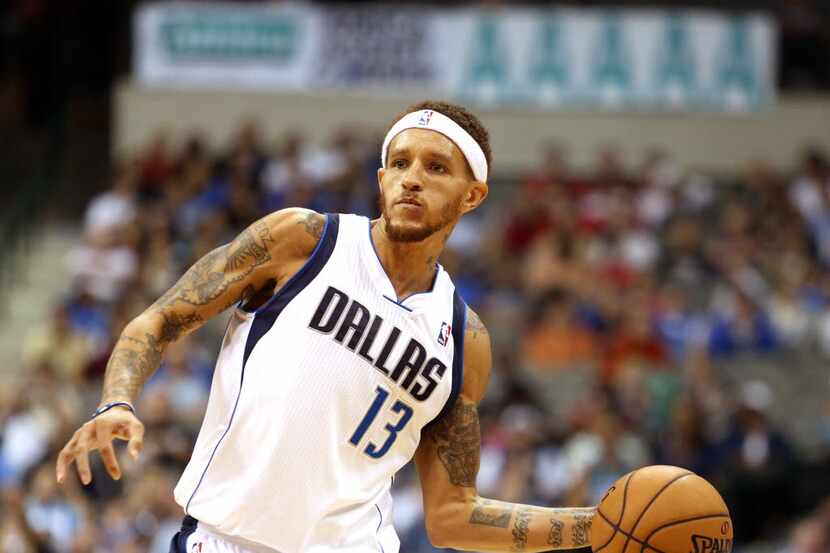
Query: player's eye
x=399 y=163
x=438 y=168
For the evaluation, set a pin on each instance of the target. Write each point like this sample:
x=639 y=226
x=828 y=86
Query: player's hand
x=98 y=434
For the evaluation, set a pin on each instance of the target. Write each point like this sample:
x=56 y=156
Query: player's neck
x=410 y=266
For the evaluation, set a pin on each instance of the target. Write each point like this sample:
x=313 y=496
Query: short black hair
x=462 y=116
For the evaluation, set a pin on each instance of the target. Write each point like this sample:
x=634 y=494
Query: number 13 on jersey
x=404 y=412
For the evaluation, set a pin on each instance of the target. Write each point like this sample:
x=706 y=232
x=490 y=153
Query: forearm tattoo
x=487 y=513
x=132 y=361
x=458 y=438
x=520 y=529
x=555 y=534
x=581 y=531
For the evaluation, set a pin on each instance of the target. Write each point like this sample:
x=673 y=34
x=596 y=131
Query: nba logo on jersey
x=426 y=115
x=197 y=548
x=444 y=334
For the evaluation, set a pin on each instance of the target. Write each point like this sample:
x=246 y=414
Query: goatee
x=417 y=232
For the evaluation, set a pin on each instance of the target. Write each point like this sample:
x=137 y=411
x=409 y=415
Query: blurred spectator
x=58 y=347
x=113 y=211
x=50 y=512
x=759 y=464
x=556 y=340
x=632 y=340
x=102 y=266
x=741 y=326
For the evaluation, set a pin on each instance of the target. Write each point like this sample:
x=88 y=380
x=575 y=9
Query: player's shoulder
x=477 y=356
x=294 y=231
x=296 y=220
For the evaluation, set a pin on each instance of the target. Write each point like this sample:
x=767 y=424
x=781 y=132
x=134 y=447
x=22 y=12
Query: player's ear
x=476 y=193
x=381 y=172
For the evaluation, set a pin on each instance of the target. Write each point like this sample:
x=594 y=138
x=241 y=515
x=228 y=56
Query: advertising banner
x=524 y=57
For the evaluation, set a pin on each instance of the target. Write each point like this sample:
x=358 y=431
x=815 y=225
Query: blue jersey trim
x=309 y=264
x=397 y=303
x=459 y=326
x=178 y=544
x=266 y=316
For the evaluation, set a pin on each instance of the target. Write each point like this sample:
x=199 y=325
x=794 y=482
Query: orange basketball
x=662 y=509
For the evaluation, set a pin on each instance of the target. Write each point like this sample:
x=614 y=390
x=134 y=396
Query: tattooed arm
x=272 y=248
x=265 y=254
x=447 y=460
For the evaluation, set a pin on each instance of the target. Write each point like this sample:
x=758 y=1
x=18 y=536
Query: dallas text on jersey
x=411 y=364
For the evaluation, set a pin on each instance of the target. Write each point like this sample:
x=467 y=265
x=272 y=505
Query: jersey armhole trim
x=459 y=327
x=266 y=316
x=309 y=263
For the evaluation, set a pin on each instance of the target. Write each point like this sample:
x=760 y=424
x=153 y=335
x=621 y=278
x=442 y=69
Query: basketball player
x=349 y=352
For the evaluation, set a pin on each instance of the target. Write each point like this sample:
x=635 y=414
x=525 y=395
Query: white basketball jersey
x=319 y=398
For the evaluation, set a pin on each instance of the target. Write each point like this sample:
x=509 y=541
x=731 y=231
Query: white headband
x=434 y=121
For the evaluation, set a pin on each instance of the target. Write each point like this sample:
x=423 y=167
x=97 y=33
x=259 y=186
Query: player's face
x=426 y=185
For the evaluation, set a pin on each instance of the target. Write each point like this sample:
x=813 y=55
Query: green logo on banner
x=487 y=64
x=676 y=64
x=611 y=71
x=260 y=37
x=549 y=73
x=737 y=82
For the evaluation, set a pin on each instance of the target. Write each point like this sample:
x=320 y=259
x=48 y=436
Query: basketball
x=662 y=509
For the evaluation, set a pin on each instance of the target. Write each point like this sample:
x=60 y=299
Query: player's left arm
x=447 y=460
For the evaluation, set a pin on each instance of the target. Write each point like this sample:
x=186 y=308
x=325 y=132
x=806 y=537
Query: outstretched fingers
x=81 y=455
x=104 y=434
x=76 y=450
x=110 y=461
x=64 y=460
x=98 y=434
x=136 y=438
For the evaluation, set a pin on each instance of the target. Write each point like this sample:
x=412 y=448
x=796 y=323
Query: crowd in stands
x=613 y=295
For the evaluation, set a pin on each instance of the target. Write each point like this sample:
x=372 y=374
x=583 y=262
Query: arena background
x=652 y=263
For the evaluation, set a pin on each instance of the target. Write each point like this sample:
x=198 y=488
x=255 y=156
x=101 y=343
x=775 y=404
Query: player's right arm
x=271 y=249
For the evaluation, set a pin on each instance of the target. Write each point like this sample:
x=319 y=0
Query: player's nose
x=413 y=178
x=412 y=185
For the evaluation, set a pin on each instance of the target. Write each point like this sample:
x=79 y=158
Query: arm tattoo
x=201 y=284
x=555 y=534
x=133 y=360
x=495 y=516
x=314 y=224
x=459 y=443
x=581 y=531
x=128 y=368
x=474 y=324
x=247 y=251
x=213 y=274
x=175 y=325
x=520 y=529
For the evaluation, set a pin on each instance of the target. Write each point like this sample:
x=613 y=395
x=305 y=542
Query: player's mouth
x=410 y=203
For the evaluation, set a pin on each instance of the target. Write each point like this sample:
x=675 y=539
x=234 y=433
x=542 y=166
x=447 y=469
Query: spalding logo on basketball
x=707 y=544
x=665 y=509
